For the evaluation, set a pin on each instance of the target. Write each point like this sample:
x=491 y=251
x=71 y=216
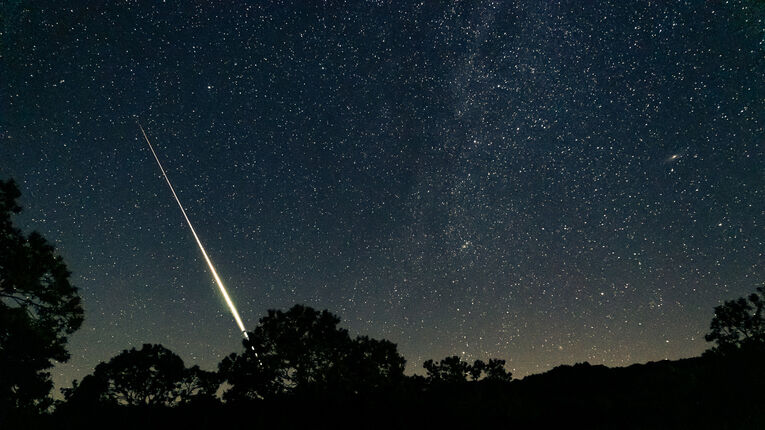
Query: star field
x=543 y=182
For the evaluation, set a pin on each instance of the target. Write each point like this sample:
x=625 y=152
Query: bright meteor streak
x=199 y=242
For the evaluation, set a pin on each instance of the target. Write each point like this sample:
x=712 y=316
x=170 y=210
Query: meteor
x=222 y=288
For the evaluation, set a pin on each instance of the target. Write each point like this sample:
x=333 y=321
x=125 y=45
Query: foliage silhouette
x=739 y=324
x=39 y=309
x=454 y=370
x=495 y=371
x=450 y=369
x=372 y=365
x=151 y=376
x=306 y=363
x=303 y=351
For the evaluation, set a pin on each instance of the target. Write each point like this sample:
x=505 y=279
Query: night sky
x=543 y=182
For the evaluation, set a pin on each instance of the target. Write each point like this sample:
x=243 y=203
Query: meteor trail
x=199 y=242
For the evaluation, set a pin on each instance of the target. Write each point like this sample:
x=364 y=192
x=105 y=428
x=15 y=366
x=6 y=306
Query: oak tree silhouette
x=372 y=365
x=39 y=309
x=303 y=350
x=739 y=324
x=150 y=376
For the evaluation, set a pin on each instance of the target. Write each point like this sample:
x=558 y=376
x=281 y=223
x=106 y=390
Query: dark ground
x=698 y=393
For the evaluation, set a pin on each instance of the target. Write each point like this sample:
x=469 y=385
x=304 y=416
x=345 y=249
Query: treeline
x=710 y=392
x=297 y=353
x=300 y=369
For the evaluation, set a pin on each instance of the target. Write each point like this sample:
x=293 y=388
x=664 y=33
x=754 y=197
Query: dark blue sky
x=543 y=182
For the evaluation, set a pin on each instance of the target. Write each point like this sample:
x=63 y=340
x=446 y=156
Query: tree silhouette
x=454 y=370
x=39 y=309
x=251 y=376
x=739 y=324
x=197 y=384
x=151 y=376
x=372 y=365
x=304 y=350
x=87 y=393
x=476 y=369
x=450 y=369
x=495 y=371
